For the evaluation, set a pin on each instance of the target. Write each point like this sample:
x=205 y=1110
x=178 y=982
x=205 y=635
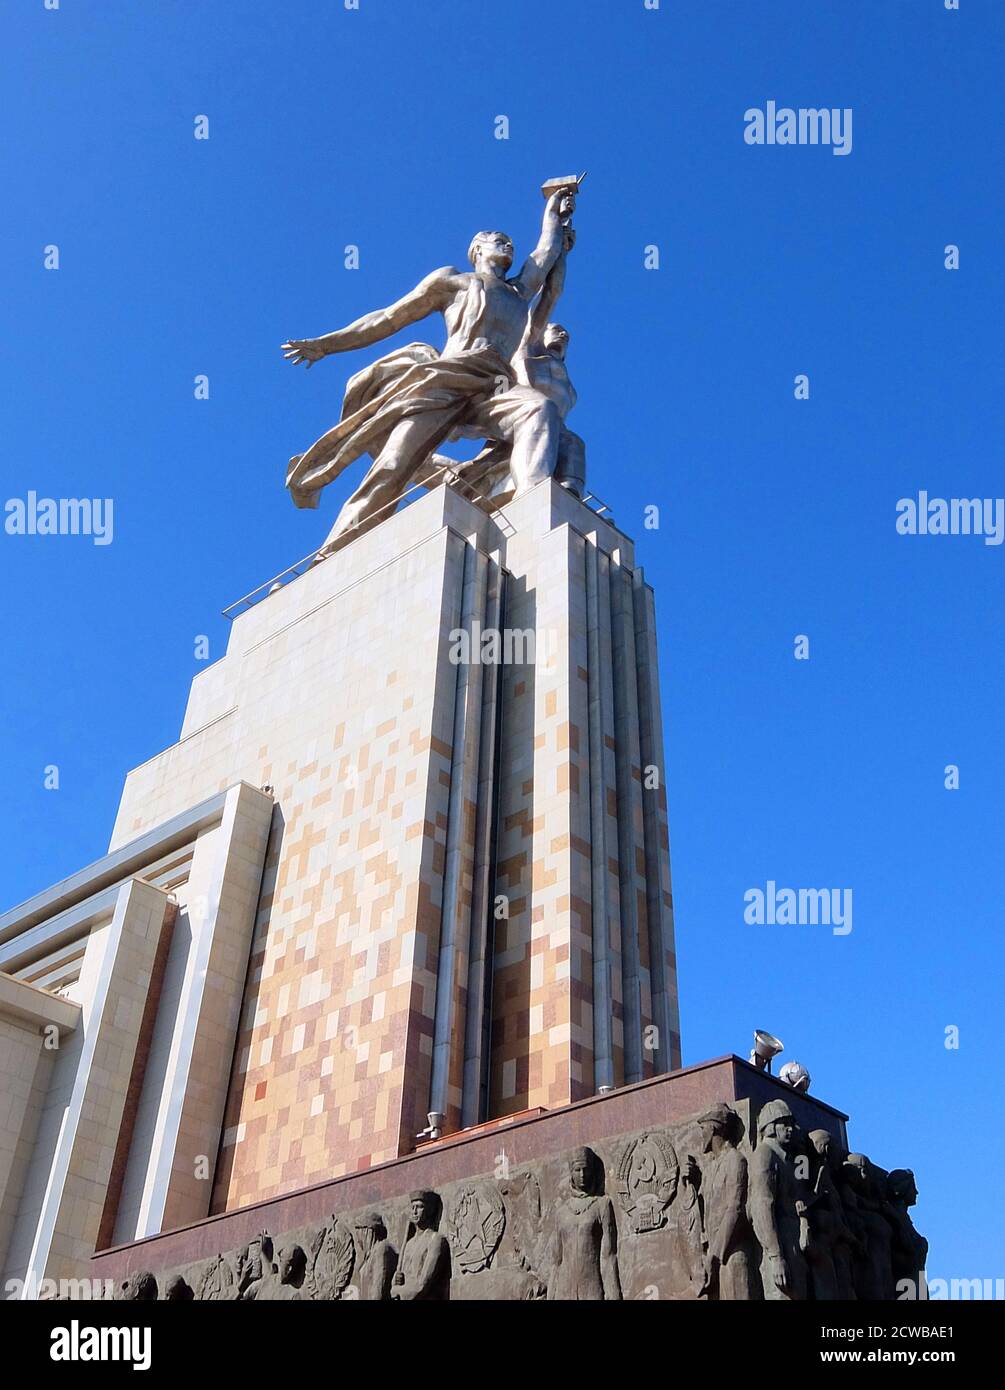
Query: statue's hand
x=561 y=203
x=307 y=350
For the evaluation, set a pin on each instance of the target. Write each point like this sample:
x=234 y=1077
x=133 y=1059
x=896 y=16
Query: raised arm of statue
x=550 y=294
x=431 y=294
x=549 y=247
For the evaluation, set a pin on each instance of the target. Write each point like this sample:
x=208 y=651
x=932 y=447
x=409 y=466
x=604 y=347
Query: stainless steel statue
x=500 y=377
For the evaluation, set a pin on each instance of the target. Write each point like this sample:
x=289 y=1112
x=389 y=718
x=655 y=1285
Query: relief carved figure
x=377 y=1258
x=730 y=1267
x=909 y=1253
x=863 y=1200
x=254 y=1263
x=287 y=1279
x=776 y=1205
x=646 y=1182
x=423 y=1271
x=582 y=1252
x=687 y=1237
x=831 y=1251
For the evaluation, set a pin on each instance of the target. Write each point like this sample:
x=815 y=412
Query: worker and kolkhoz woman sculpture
x=501 y=377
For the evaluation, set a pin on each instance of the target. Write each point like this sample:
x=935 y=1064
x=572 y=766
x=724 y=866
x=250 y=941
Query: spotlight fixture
x=435 y=1126
x=766 y=1046
x=794 y=1074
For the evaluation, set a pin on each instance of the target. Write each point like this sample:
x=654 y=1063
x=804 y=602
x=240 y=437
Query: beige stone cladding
x=121 y=987
x=338 y=692
x=582 y=997
x=175 y=1135
x=33 y=1024
x=63 y=1206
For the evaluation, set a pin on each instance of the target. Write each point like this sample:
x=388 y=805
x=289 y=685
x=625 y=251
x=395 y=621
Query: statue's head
x=292 y=1264
x=370 y=1227
x=583 y=1175
x=776 y=1122
x=902 y=1187
x=822 y=1141
x=859 y=1170
x=556 y=339
x=719 y=1122
x=423 y=1206
x=491 y=251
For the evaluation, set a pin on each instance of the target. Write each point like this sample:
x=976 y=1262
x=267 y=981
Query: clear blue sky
x=375 y=127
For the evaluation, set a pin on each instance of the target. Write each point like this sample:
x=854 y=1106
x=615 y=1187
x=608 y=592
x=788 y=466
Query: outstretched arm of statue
x=431 y=294
x=549 y=247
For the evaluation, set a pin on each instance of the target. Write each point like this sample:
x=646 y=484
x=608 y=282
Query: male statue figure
x=862 y=1198
x=776 y=1206
x=423 y=1273
x=730 y=1264
x=830 y=1254
x=539 y=367
x=406 y=404
x=910 y=1249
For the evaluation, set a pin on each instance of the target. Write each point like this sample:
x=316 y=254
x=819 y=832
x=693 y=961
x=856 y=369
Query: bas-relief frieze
x=727 y=1205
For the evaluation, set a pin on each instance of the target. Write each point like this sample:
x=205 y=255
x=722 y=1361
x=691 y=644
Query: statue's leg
x=532 y=425
x=571 y=469
x=390 y=474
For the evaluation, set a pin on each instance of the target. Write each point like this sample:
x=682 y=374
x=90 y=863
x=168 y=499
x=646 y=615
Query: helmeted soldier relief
x=776 y=1206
